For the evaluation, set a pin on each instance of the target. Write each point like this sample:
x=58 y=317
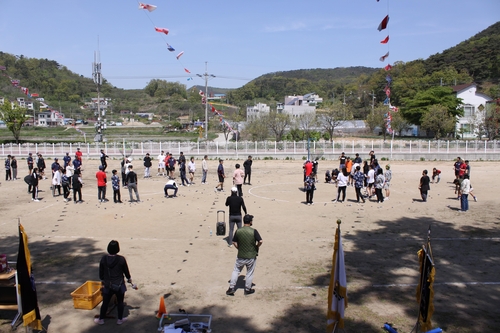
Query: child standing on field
x=115 y=182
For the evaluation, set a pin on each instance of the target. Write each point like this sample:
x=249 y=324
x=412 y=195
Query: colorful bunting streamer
x=383 y=24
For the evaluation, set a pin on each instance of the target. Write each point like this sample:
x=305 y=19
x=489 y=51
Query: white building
x=257 y=111
x=297 y=106
x=51 y=118
x=474 y=105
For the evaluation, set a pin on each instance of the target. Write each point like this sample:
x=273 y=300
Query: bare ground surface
x=170 y=251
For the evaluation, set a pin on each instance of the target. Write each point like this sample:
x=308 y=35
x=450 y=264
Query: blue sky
x=240 y=40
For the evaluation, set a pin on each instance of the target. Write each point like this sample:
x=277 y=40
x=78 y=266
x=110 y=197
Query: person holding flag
x=337 y=292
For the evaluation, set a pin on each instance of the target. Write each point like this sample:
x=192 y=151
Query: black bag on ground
x=220 y=227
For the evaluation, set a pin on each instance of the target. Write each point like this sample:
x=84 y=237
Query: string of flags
x=26 y=91
x=388 y=78
x=223 y=122
x=148 y=8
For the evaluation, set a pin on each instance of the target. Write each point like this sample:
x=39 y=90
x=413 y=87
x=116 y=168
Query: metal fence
x=389 y=149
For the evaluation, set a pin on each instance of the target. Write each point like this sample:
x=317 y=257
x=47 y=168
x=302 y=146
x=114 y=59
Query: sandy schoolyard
x=171 y=252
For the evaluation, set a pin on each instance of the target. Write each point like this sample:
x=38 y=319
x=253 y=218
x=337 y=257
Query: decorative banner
x=382 y=58
x=170 y=48
x=383 y=24
x=388 y=67
x=385 y=40
x=163 y=30
x=149 y=8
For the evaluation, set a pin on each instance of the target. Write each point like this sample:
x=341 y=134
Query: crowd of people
x=368 y=178
x=67 y=177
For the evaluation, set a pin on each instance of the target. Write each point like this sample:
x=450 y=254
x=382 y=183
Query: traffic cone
x=161 y=309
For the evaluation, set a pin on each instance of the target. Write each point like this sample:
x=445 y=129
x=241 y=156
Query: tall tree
x=377 y=119
x=439 y=121
x=399 y=123
x=332 y=116
x=306 y=122
x=257 y=129
x=13 y=117
x=415 y=108
x=492 y=119
x=278 y=123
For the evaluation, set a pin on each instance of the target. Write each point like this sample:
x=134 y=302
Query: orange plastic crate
x=87 y=296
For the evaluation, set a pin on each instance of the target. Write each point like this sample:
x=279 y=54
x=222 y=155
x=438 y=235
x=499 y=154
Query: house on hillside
x=51 y=118
x=474 y=105
x=297 y=106
x=257 y=111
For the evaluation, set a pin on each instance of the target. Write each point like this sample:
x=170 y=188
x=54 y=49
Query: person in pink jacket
x=238 y=177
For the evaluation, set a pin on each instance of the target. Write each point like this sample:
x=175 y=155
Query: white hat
x=234 y=189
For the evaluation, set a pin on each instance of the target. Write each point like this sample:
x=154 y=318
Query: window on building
x=468 y=110
x=466 y=128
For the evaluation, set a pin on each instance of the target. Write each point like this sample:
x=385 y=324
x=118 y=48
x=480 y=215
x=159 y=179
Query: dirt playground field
x=171 y=253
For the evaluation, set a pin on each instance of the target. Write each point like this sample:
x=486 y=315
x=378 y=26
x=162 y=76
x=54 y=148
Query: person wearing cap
x=29 y=161
x=248 y=241
x=147 y=166
x=247 y=165
x=103 y=160
x=221 y=175
x=101 y=184
x=66 y=160
x=132 y=183
x=235 y=204
x=238 y=175
x=112 y=269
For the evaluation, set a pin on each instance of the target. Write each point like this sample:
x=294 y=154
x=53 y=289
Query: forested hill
x=478 y=55
x=340 y=74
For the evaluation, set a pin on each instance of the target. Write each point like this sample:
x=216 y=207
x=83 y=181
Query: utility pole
x=101 y=121
x=373 y=100
x=207 y=77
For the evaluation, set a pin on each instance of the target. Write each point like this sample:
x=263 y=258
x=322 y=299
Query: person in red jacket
x=101 y=184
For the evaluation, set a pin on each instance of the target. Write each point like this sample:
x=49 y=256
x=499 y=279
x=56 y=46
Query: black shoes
x=230 y=291
x=249 y=291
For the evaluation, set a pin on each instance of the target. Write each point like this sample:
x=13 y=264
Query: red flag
x=187 y=70
x=149 y=8
x=384 y=23
x=388 y=92
x=180 y=55
x=165 y=31
x=34 y=95
x=382 y=58
x=385 y=40
x=388 y=67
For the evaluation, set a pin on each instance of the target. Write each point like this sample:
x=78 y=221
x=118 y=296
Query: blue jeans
x=204 y=176
x=464 y=202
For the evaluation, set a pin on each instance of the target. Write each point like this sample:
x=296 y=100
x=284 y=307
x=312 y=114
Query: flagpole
x=337 y=266
x=426 y=249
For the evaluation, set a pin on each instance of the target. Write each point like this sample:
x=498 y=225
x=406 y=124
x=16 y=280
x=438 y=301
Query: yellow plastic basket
x=87 y=296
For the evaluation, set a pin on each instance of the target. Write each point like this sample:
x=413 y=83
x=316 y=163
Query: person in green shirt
x=248 y=241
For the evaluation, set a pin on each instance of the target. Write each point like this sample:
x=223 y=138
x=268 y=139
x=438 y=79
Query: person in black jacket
x=33 y=185
x=103 y=160
x=132 y=184
x=112 y=268
x=76 y=184
x=236 y=204
x=247 y=165
x=147 y=166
